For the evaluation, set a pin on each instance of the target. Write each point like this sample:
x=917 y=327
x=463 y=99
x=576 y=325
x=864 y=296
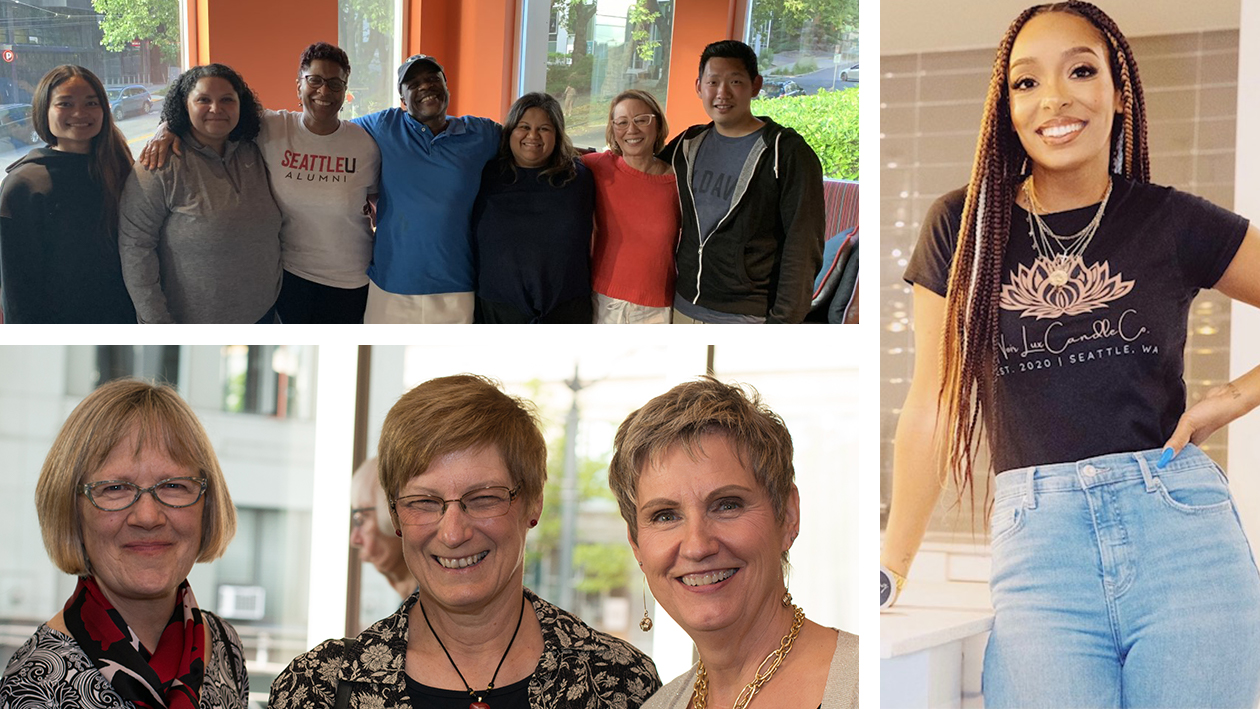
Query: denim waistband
x=1099 y=470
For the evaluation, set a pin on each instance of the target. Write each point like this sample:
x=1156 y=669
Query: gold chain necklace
x=700 y=696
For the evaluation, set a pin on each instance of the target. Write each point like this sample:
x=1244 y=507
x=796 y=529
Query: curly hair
x=970 y=341
x=175 y=107
x=109 y=158
x=325 y=51
x=562 y=163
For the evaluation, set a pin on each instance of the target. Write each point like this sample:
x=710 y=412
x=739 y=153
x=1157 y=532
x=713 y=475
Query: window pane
x=598 y=48
x=127 y=43
x=366 y=30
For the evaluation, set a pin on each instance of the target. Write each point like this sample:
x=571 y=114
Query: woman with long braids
x=1051 y=300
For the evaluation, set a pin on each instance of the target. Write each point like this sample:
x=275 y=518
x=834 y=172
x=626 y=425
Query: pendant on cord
x=478 y=704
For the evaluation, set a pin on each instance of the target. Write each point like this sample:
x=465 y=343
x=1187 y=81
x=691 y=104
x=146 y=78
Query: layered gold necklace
x=766 y=670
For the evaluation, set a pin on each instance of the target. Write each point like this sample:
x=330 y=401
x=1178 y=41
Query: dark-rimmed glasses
x=115 y=495
x=483 y=503
x=642 y=121
x=315 y=81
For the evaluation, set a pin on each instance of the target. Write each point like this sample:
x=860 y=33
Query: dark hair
x=662 y=126
x=972 y=300
x=561 y=163
x=175 y=107
x=109 y=158
x=731 y=49
x=327 y=52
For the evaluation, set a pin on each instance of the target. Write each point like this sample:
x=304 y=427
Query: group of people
x=131 y=495
x=236 y=214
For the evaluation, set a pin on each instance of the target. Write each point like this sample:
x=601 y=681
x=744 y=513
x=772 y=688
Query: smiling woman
x=704 y=479
x=463 y=466
x=130 y=496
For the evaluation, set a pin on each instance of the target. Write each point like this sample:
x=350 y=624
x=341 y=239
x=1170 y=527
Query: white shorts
x=384 y=307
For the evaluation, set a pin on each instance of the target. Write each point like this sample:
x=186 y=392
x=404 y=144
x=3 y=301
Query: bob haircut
x=685 y=414
x=458 y=413
x=365 y=486
x=175 y=107
x=109 y=158
x=327 y=52
x=161 y=420
x=561 y=164
x=662 y=126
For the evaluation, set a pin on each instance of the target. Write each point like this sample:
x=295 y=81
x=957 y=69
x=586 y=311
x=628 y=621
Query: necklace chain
x=1059 y=252
x=700 y=696
x=442 y=645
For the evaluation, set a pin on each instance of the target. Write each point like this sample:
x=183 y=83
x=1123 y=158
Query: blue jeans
x=1117 y=584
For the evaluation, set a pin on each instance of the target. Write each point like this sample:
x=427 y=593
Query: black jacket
x=762 y=257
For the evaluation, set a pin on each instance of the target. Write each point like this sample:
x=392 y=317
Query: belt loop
x=1030 y=491
x=1147 y=476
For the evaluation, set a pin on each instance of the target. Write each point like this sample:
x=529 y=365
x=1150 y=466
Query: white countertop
x=930 y=614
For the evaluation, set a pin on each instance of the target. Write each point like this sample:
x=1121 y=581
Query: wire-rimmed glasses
x=641 y=121
x=482 y=503
x=315 y=81
x=115 y=495
x=359 y=516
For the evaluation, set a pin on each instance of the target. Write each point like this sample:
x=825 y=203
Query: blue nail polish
x=1163 y=459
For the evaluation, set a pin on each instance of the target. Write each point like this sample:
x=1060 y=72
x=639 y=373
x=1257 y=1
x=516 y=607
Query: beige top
x=841 y=691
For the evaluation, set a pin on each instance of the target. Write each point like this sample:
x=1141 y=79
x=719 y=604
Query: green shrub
x=765 y=60
x=577 y=75
x=828 y=120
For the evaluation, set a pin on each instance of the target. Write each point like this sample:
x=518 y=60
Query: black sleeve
x=932 y=256
x=20 y=277
x=1208 y=239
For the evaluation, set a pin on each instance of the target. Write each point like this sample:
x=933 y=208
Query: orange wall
x=697 y=23
x=474 y=41
x=263 y=40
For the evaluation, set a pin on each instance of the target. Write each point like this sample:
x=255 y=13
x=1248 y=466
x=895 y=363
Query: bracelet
x=890 y=585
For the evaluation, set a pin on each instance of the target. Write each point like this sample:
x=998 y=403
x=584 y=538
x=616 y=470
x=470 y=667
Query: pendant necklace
x=1058 y=254
x=477 y=696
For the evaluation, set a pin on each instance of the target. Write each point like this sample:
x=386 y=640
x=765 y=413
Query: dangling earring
x=787 y=599
x=646 y=624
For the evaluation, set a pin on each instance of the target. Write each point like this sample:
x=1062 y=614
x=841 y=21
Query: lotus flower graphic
x=1088 y=288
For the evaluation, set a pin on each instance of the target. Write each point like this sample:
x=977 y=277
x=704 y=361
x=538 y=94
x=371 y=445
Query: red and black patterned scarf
x=169 y=676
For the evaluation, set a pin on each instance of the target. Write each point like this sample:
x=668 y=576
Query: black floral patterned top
x=580 y=667
x=51 y=670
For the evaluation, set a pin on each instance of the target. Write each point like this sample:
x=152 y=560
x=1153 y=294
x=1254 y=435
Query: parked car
x=850 y=74
x=127 y=100
x=779 y=89
x=15 y=124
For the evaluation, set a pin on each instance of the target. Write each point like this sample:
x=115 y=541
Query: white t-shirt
x=321 y=183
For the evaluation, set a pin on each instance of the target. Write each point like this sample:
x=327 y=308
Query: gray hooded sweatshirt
x=200 y=237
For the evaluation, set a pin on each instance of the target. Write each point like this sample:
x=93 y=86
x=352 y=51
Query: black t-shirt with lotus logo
x=1091 y=348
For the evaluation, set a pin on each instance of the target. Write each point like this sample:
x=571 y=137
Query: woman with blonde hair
x=1051 y=301
x=130 y=496
x=636 y=215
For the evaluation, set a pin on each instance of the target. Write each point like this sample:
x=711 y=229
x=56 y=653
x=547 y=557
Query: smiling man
x=752 y=202
x=431 y=164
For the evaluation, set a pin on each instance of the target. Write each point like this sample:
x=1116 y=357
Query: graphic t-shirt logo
x=1040 y=291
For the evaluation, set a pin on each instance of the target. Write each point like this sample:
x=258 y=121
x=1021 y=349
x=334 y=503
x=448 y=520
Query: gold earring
x=646 y=624
x=787 y=599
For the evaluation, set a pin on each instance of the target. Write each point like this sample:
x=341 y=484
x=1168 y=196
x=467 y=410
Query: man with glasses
x=372 y=532
x=752 y=202
x=422 y=268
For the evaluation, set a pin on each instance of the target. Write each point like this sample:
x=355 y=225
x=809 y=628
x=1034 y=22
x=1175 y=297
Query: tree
x=576 y=16
x=153 y=22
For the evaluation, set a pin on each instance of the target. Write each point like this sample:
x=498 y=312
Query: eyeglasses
x=358 y=516
x=484 y=503
x=643 y=120
x=115 y=495
x=314 y=81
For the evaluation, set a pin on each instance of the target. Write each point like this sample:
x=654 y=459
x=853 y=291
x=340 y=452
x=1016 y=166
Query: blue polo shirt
x=428 y=185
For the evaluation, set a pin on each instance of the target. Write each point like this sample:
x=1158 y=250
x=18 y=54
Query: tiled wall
x=929 y=117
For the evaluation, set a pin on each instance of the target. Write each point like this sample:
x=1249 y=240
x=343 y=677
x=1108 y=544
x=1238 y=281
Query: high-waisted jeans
x=1118 y=584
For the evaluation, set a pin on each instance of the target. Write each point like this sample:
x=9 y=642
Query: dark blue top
x=532 y=241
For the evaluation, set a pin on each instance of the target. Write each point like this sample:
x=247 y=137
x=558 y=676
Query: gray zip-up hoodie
x=200 y=237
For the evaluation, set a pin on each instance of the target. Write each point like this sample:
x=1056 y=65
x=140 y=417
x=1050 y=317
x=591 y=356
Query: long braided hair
x=969 y=343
